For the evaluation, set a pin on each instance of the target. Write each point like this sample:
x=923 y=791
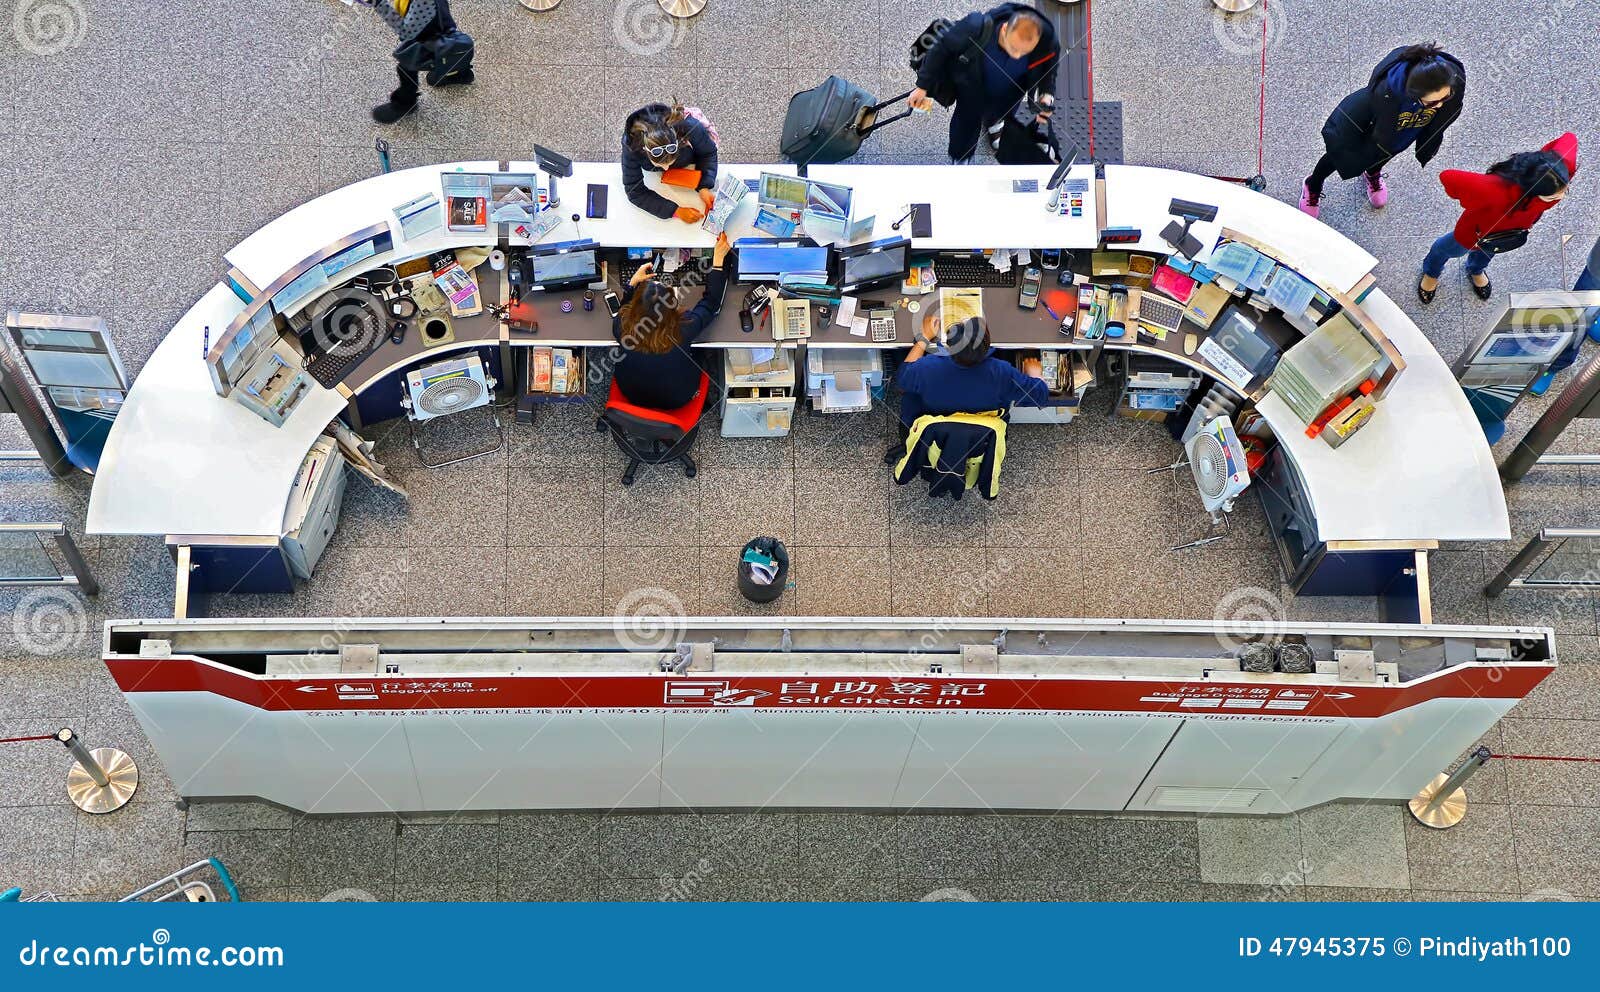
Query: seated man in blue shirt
x=969 y=379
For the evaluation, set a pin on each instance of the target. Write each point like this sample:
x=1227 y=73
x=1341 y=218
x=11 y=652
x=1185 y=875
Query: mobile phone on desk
x=613 y=303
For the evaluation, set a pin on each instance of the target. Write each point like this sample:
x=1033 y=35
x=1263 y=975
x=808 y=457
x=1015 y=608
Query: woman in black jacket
x=1414 y=94
x=656 y=369
x=659 y=137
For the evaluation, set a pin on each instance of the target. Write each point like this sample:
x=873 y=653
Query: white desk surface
x=180 y=459
x=1419 y=468
x=1137 y=196
x=973 y=206
x=283 y=243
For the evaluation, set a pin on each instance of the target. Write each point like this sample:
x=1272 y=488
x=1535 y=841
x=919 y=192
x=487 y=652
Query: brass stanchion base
x=122 y=779
x=682 y=8
x=540 y=6
x=1447 y=814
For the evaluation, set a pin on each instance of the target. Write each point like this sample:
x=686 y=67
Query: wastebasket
x=753 y=583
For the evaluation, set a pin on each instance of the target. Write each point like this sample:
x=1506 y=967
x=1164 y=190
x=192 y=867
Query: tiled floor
x=131 y=160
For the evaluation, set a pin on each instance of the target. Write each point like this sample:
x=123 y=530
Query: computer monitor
x=763 y=260
x=783 y=191
x=1241 y=336
x=870 y=265
x=563 y=265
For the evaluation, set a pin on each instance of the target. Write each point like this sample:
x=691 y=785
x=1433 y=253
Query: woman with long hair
x=656 y=369
x=1413 y=95
x=1498 y=209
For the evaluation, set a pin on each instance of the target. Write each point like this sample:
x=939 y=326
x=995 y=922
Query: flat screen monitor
x=765 y=261
x=867 y=266
x=1241 y=336
x=564 y=265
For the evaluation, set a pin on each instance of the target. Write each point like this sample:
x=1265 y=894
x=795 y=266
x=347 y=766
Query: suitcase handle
x=871 y=114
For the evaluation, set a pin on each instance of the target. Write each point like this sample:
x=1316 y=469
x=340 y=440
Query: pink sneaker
x=1309 y=203
x=1377 y=192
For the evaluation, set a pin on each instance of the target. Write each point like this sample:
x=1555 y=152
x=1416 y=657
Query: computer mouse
x=1191 y=341
x=746 y=322
x=397 y=333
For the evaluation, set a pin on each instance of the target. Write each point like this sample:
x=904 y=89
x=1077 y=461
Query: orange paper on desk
x=687 y=178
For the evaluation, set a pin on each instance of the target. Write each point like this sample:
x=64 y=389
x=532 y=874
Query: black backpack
x=925 y=41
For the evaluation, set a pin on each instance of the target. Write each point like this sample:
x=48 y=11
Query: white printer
x=843 y=380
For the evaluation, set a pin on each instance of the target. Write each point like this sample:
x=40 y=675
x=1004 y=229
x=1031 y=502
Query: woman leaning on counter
x=1498 y=209
x=657 y=369
x=659 y=137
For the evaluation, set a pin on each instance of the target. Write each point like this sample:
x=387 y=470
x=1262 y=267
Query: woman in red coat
x=1510 y=197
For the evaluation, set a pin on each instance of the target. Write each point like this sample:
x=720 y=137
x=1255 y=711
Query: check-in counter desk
x=204 y=471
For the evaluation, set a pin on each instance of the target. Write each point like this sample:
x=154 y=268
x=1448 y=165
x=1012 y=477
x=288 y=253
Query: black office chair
x=654 y=437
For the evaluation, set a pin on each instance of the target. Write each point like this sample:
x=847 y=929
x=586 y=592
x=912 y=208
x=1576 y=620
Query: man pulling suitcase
x=991 y=65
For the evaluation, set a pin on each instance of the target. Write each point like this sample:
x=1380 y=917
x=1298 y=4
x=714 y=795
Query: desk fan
x=1217 y=461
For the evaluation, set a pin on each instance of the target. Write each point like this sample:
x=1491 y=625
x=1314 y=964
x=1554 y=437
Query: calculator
x=882 y=325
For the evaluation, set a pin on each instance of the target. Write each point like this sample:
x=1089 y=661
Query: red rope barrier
x=1541 y=757
x=39 y=737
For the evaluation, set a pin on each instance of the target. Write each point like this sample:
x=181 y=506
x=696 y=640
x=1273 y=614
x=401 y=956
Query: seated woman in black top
x=659 y=137
x=656 y=369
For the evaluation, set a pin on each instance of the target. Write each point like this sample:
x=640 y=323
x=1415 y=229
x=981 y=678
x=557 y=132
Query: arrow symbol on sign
x=1339 y=695
x=311 y=688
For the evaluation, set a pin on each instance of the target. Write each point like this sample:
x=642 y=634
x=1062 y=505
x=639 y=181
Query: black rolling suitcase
x=827 y=123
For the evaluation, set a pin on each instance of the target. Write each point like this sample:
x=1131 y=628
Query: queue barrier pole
x=101 y=780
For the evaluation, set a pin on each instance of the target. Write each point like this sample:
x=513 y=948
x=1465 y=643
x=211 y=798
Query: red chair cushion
x=684 y=417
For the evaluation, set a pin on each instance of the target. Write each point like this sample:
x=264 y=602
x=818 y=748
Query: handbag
x=1500 y=242
x=414 y=56
x=452 y=51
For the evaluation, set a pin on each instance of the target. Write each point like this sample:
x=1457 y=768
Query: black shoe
x=389 y=113
x=1482 y=292
x=461 y=77
x=1426 y=295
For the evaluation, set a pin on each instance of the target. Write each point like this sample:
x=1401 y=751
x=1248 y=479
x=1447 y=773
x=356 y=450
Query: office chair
x=654 y=437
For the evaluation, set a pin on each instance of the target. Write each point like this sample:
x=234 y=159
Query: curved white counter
x=182 y=460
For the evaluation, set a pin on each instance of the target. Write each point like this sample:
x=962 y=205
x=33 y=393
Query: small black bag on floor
x=827 y=123
x=1032 y=143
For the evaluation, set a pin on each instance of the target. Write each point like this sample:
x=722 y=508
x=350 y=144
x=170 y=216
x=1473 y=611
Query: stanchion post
x=1443 y=802
x=100 y=780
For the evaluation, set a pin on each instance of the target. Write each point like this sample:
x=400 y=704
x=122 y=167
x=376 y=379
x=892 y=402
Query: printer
x=843 y=380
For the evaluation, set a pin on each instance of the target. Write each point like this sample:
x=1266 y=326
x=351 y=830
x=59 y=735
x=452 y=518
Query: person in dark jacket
x=986 y=64
x=659 y=137
x=1511 y=196
x=425 y=22
x=969 y=379
x=1414 y=95
x=656 y=369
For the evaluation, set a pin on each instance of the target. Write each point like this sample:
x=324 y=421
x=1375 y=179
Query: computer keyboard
x=330 y=369
x=970 y=271
x=1157 y=312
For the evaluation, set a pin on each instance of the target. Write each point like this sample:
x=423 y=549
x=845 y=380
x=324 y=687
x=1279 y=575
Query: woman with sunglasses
x=659 y=137
x=1414 y=94
x=1498 y=208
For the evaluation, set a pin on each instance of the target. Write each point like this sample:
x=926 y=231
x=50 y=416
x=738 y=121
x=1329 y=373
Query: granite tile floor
x=125 y=171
